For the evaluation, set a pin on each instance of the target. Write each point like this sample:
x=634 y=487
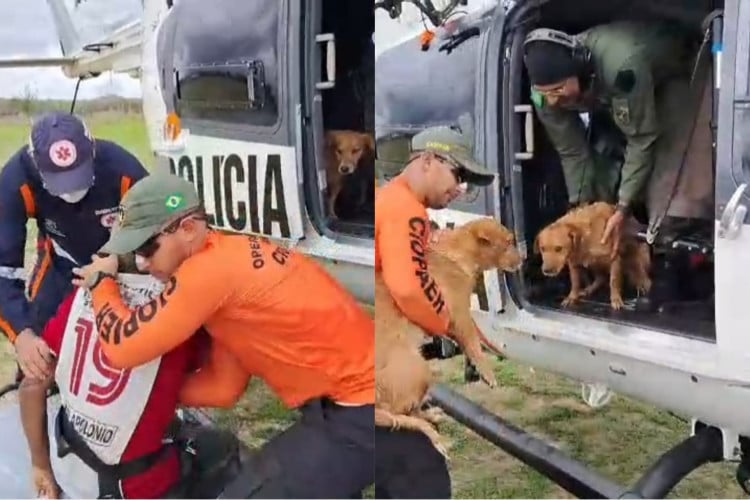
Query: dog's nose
x=346 y=169
x=517 y=263
x=512 y=262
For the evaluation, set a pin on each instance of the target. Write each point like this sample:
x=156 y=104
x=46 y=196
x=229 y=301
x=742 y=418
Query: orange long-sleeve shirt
x=220 y=382
x=277 y=311
x=402 y=232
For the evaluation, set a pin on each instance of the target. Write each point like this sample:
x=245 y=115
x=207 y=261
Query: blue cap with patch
x=63 y=151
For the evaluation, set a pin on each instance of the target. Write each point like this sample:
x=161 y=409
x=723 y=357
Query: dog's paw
x=489 y=378
x=433 y=415
x=645 y=287
x=570 y=300
x=617 y=303
x=440 y=443
x=442 y=447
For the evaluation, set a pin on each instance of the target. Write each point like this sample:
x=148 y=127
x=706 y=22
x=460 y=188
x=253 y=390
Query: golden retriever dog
x=402 y=375
x=574 y=240
x=345 y=149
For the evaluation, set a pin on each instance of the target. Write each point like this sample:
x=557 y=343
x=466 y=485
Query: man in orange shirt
x=441 y=164
x=275 y=313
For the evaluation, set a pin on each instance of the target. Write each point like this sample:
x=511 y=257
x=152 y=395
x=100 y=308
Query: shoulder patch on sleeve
x=625 y=80
x=537 y=98
x=621 y=110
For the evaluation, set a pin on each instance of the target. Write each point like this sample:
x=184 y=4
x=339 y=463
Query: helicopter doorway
x=681 y=301
x=339 y=95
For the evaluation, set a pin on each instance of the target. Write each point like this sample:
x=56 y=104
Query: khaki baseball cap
x=452 y=143
x=150 y=205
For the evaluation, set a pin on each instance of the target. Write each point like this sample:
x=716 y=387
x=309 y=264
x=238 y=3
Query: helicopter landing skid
x=704 y=446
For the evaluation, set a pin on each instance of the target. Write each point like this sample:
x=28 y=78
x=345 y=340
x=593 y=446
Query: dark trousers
x=328 y=453
x=407 y=465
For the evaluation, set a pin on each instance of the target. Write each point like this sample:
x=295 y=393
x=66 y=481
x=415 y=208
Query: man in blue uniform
x=72 y=185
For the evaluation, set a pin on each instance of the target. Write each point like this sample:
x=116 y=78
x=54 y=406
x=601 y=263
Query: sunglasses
x=459 y=172
x=151 y=245
x=558 y=91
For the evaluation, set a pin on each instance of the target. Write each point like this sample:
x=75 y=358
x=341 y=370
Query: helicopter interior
x=349 y=106
x=681 y=299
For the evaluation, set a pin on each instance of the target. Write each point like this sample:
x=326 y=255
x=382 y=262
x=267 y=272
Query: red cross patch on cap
x=63 y=153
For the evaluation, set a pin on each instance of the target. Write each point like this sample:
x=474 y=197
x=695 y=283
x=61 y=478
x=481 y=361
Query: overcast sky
x=28 y=31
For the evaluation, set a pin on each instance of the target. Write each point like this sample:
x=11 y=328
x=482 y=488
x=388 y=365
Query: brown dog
x=402 y=375
x=345 y=149
x=574 y=240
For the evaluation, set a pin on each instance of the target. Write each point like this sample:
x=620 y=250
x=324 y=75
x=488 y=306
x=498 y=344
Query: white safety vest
x=103 y=403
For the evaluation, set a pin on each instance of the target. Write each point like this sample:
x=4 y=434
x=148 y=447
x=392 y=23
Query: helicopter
x=252 y=124
x=237 y=100
x=219 y=118
x=683 y=347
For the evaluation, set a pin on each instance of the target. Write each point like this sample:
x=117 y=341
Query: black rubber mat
x=691 y=322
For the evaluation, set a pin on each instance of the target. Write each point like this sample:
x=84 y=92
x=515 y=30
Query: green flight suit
x=642 y=75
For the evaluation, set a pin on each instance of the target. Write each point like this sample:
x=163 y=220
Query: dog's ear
x=536 y=244
x=482 y=235
x=330 y=139
x=369 y=141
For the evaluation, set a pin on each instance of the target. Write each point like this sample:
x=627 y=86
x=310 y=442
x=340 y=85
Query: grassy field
x=620 y=440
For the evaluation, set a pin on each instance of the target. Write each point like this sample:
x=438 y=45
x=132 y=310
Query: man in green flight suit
x=636 y=73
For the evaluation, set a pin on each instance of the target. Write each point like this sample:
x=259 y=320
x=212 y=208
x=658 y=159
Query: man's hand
x=613 y=230
x=106 y=264
x=44 y=483
x=34 y=356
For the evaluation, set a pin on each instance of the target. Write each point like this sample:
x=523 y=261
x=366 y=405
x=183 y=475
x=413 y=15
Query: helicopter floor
x=361 y=226
x=687 y=319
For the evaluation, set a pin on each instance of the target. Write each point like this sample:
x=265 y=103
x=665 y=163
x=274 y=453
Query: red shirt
x=157 y=414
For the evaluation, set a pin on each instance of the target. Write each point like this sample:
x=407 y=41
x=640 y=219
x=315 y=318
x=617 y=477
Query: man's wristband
x=623 y=208
x=97 y=278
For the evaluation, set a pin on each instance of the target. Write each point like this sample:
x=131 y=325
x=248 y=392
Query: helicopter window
x=226 y=69
x=416 y=90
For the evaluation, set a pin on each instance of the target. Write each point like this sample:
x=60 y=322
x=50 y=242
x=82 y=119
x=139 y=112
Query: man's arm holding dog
x=219 y=383
x=403 y=240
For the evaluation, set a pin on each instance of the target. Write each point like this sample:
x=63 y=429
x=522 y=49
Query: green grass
x=129 y=131
x=619 y=441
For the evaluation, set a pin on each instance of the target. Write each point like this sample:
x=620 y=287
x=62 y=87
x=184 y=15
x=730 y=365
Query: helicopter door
x=732 y=244
x=417 y=89
x=224 y=73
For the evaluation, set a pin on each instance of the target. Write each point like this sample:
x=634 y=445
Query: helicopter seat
x=688 y=189
x=684 y=244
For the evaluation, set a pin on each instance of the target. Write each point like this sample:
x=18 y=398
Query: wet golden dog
x=345 y=149
x=402 y=375
x=574 y=241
